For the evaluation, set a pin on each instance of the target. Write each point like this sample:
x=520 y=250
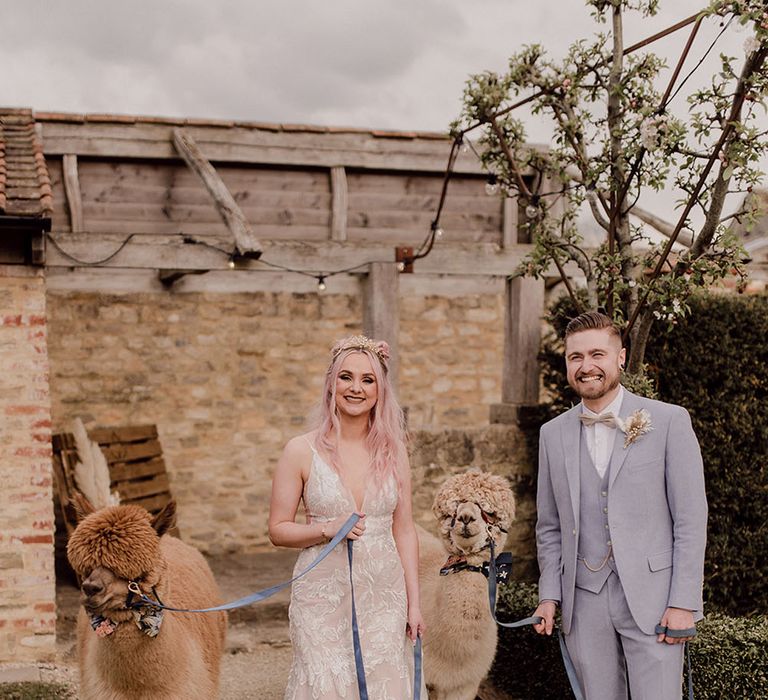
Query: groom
x=621 y=529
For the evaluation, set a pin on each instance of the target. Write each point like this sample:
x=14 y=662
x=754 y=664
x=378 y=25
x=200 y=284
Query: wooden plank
x=123 y=472
x=415 y=235
x=245 y=240
x=98 y=178
x=413 y=183
x=173 y=197
x=411 y=220
x=339 y=204
x=322 y=150
x=129 y=433
x=169 y=252
x=131 y=452
x=72 y=192
x=510 y=222
x=141 y=213
x=522 y=339
x=59 y=217
x=142 y=488
x=381 y=315
x=152 y=503
x=403 y=201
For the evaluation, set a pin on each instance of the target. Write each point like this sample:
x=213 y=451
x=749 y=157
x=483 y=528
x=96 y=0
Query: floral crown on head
x=380 y=348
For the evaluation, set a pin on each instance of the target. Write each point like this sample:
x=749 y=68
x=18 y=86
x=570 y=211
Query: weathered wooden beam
x=509 y=222
x=245 y=241
x=381 y=310
x=238 y=144
x=339 y=203
x=170 y=252
x=524 y=308
x=72 y=192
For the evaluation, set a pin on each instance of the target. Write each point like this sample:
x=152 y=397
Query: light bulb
x=400 y=266
x=438 y=233
x=531 y=211
x=321 y=284
x=491 y=187
x=464 y=148
x=231 y=264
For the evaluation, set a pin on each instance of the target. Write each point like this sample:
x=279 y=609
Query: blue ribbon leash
x=570 y=669
x=259 y=595
x=359 y=666
x=690 y=632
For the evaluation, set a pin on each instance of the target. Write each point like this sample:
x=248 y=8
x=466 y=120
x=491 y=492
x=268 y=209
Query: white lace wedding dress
x=320 y=613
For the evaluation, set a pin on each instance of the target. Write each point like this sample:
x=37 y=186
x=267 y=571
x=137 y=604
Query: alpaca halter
x=361 y=342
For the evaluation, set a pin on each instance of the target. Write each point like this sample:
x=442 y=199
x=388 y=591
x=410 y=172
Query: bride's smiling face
x=356 y=387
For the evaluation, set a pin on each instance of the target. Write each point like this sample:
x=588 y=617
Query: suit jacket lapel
x=619 y=454
x=571 y=435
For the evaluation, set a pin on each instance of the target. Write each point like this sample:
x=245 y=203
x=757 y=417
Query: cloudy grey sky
x=393 y=64
x=397 y=64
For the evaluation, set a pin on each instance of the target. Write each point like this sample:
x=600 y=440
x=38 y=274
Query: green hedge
x=715 y=363
x=729 y=656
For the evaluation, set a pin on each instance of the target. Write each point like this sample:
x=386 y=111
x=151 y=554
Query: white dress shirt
x=600 y=437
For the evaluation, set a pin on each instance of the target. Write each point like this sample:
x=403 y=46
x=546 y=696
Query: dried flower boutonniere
x=637 y=424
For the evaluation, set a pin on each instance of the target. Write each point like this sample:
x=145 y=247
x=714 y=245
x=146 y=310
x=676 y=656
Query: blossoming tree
x=617 y=135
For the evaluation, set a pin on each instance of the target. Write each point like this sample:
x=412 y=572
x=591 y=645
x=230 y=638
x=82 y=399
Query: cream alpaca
x=461 y=636
x=111 y=547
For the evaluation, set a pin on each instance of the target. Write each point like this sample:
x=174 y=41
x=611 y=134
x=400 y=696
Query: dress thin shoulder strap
x=311 y=446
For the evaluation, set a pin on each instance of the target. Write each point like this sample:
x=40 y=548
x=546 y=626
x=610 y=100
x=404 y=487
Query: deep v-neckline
x=345 y=488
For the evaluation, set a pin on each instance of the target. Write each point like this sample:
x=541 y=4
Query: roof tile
x=25 y=186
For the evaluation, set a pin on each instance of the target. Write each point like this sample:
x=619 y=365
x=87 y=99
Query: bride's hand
x=415 y=627
x=336 y=524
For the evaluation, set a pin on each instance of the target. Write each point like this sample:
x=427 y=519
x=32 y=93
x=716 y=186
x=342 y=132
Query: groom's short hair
x=592 y=320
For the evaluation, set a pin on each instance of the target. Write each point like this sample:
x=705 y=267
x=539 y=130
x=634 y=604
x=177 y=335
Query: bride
x=355 y=461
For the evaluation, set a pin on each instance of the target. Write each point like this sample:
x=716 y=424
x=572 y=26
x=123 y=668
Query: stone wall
x=228 y=378
x=27 y=585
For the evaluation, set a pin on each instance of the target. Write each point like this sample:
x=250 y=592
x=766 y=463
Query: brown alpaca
x=119 y=661
x=461 y=636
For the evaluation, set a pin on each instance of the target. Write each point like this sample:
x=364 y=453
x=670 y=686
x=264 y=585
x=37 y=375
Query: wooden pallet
x=136 y=468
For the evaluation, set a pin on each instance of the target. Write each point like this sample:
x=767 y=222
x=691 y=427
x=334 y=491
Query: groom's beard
x=596 y=390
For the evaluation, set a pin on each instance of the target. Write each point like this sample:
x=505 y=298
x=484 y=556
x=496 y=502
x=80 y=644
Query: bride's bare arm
x=287 y=487
x=407 y=542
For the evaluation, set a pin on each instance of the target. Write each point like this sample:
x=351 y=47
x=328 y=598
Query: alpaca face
x=467 y=531
x=103 y=592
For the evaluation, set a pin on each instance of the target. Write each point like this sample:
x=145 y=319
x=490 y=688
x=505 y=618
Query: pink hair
x=386 y=440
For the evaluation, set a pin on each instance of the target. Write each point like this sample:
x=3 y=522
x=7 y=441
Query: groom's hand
x=546 y=610
x=676 y=619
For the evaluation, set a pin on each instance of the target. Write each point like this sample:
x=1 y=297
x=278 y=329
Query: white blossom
x=751 y=44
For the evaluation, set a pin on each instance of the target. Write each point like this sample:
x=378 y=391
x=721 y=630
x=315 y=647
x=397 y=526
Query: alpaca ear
x=81 y=505
x=165 y=519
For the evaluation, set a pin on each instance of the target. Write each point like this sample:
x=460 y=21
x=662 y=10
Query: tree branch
x=717 y=198
x=662 y=226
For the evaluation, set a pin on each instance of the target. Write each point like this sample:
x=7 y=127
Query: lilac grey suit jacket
x=657 y=512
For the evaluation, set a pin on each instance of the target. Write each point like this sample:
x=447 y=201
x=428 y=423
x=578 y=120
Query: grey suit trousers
x=611 y=654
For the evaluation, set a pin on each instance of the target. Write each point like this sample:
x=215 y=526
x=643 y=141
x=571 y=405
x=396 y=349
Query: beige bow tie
x=604 y=418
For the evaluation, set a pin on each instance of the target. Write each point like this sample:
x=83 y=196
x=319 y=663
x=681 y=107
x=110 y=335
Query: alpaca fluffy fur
x=461 y=636
x=118 y=543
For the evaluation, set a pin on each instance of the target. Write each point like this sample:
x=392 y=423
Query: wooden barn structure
x=298 y=197
x=190 y=274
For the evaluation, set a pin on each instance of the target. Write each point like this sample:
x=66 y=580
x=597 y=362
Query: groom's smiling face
x=593 y=360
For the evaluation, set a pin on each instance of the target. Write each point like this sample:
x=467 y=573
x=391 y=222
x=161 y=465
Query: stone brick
x=27 y=595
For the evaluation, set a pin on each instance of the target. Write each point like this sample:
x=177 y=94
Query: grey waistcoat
x=594 y=531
